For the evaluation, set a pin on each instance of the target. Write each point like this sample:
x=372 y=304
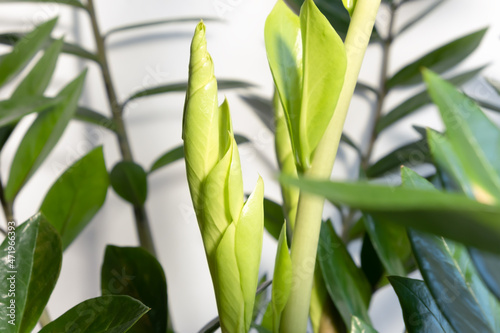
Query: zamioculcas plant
x=232 y=230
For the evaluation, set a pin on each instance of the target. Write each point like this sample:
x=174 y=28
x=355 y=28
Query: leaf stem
x=310 y=207
x=141 y=218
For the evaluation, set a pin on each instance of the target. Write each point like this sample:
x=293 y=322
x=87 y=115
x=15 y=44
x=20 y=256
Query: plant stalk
x=141 y=218
x=310 y=207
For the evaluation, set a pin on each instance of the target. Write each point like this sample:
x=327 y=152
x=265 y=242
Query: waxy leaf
x=420 y=100
x=420 y=312
x=129 y=180
x=24 y=50
x=110 y=314
x=439 y=60
x=347 y=286
x=31 y=262
x=133 y=271
x=75 y=198
x=349 y=5
x=474 y=223
x=308 y=63
x=282 y=279
x=359 y=326
x=42 y=136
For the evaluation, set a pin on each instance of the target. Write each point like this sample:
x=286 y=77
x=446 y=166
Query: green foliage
x=129 y=180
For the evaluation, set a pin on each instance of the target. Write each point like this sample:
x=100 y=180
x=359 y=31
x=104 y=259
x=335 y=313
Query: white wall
x=159 y=55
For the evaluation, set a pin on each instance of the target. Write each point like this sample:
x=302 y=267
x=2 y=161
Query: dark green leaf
x=33 y=258
x=419 y=100
x=364 y=86
x=359 y=326
x=42 y=136
x=475 y=138
x=412 y=154
x=109 y=314
x=488 y=267
x=74 y=3
x=177 y=153
x=451 y=215
x=182 y=86
x=347 y=140
x=439 y=60
x=390 y=243
x=24 y=50
x=92 y=117
x=77 y=196
x=347 y=286
x=69 y=48
x=155 y=23
x=420 y=16
x=273 y=218
x=129 y=180
x=370 y=263
x=420 y=312
x=135 y=272
x=12 y=110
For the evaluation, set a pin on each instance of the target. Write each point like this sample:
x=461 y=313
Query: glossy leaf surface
x=110 y=314
x=129 y=180
x=439 y=60
x=42 y=136
x=488 y=266
x=34 y=265
x=78 y=194
x=347 y=286
x=134 y=272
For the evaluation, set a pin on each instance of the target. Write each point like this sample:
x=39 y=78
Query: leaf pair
x=308 y=62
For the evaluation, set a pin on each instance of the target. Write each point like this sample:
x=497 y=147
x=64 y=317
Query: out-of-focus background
x=158 y=55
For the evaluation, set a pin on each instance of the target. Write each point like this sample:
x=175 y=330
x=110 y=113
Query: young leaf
x=24 y=50
x=349 y=5
x=32 y=266
x=359 y=326
x=282 y=279
x=439 y=60
x=308 y=75
x=135 y=272
x=42 y=136
x=474 y=223
x=420 y=312
x=77 y=196
x=110 y=314
x=347 y=286
x=129 y=180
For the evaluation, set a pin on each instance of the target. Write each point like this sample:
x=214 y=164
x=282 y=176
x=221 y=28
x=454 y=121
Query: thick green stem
x=141 y=218
x=310 y=208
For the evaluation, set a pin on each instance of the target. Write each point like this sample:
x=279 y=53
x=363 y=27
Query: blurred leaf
x=347 y=286
x=364 y=86
x=92 y=117
x=32 y=262
x=475 y=138
x=487 y=105
x=69 y=48
x=177 y=153
x=129 y=180
x=109 y=314
x=182 y=87
x=494 y=84
x=263 y=108
x=155 y=23
x=77 y=196
x=420 y=312
x=420 y=100
x=282 y=279
x=474 y=223
x=273 y=218
x=42 y=136
x=348 y=141
x=359 y=326
x=12 y=110
x=133 y=271
x=390 y=243
x=24 y=50
x=488 y=267
x=420 y=16
x=439 y=60
x=74 y=3
x=370 y=263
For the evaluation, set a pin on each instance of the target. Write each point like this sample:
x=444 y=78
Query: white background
x=159 y=55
